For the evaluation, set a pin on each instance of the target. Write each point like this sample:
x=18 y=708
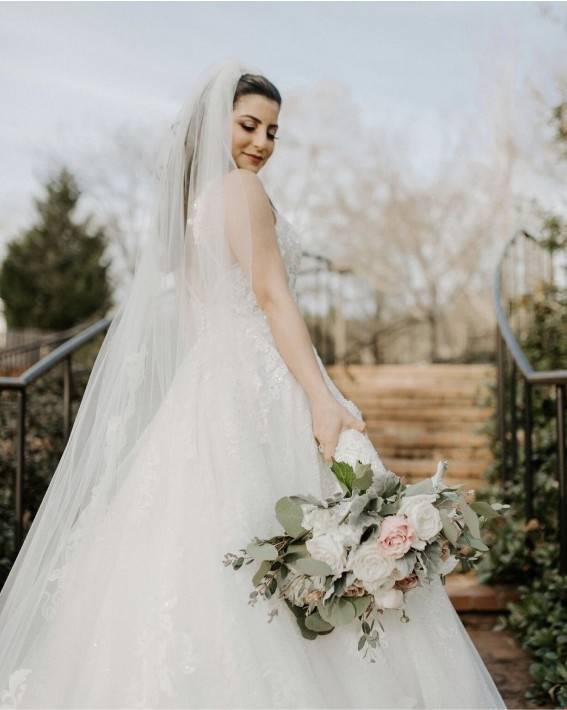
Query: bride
x=207 y=402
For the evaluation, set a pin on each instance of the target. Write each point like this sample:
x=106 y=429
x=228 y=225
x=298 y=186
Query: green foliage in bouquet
x=323 y=594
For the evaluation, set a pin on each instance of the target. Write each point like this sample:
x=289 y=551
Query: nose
x=260 y=141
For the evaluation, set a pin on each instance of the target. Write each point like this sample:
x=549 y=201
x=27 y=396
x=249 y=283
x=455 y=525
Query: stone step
x=407 y=381
x=416 y=399
x=448 y=426
x=419 y=468
x=467 y=594
x=452 y=454
x=417 y=415
x=377 y=413
x=424 y=369
x=466 y=440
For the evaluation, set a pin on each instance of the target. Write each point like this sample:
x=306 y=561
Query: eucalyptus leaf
x=361 y=603
x=305 y=632
x=312 y=567
x=299 y=548
x=450 y=528
x=484 y=509
x=262 y=552
x=314 y=622
x=470 y=517
x=343 y=612
x=325 y=610
x=474 y=542
x=293 y=557
x=290 y=516
x=425 y=486
x=262 y=570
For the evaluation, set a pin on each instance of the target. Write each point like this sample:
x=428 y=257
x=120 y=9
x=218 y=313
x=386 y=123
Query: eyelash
x=250 y=128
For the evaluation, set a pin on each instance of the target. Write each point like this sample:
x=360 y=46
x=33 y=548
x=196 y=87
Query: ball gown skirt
x=144 y=614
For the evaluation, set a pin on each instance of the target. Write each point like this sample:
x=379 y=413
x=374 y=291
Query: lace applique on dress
x=290 y=248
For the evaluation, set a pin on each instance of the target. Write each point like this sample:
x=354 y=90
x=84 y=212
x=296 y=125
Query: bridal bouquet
x=360 y=551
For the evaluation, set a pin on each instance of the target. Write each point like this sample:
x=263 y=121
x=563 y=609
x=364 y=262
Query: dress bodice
x=290 y=248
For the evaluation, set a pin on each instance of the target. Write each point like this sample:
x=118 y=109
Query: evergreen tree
x=53 y=275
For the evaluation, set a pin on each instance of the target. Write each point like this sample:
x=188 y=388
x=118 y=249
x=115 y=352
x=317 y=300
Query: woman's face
x=254 y=126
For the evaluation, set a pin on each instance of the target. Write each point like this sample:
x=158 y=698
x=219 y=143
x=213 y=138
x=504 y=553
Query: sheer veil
x=179 y=304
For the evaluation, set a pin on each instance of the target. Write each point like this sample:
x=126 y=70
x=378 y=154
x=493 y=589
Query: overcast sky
x=82 y=69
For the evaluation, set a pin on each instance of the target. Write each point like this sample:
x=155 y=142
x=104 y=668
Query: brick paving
x=506 y=660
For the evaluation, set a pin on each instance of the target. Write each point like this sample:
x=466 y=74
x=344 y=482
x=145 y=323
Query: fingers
x=327 y=451
x=330 y=450
x=354 y=423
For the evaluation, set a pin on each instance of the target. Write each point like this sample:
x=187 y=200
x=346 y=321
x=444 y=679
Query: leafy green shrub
x=540 y=620
x=523 y=549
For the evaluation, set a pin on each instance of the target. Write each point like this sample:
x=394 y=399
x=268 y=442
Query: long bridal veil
x=178 y=306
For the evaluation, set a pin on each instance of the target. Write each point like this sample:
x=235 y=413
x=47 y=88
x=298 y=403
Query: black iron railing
x=17 y=358
x=526 y=262
x=20 y=384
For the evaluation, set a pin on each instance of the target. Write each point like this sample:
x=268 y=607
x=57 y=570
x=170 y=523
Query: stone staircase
x=418 y=414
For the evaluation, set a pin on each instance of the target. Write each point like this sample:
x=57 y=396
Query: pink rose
x=396 y=536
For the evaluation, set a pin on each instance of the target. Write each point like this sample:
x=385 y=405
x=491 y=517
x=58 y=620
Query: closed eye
x=251 y=128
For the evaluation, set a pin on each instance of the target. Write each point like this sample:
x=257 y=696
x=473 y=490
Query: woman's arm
x=270 y=286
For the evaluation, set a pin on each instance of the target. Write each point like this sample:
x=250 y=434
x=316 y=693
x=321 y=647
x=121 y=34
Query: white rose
x=323 y=520
x=350 y=535
x=403 y=567
x=328 y=548
x=369 y=565
x=423 y=516
x=390 y=599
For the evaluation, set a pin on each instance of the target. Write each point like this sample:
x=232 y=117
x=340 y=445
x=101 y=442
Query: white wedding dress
x=144 y=614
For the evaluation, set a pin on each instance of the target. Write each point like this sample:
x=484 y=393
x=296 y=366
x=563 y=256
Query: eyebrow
x=247 y=115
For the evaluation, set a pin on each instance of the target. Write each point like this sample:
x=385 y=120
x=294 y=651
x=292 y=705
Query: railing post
x=501 y=406
x=528 y=464
x=20 y=464
x=562 y=477
x=513 y=418
x=67 y=384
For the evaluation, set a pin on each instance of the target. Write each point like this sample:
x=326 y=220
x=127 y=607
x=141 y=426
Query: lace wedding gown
x=143 y=614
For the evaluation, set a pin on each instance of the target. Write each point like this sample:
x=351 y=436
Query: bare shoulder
x=240 y=176
x=241 y=183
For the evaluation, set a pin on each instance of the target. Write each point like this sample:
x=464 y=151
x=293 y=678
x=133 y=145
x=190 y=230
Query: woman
x=206 y=404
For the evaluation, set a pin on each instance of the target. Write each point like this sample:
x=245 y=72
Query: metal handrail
x=39 y=368
x=19 y=384
x=506 y=341
x=551 y=377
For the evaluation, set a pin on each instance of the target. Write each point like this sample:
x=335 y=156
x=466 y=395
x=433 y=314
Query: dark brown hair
x=256 y=84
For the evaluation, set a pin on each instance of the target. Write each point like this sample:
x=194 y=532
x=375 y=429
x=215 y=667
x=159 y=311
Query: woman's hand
x=329 y=419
